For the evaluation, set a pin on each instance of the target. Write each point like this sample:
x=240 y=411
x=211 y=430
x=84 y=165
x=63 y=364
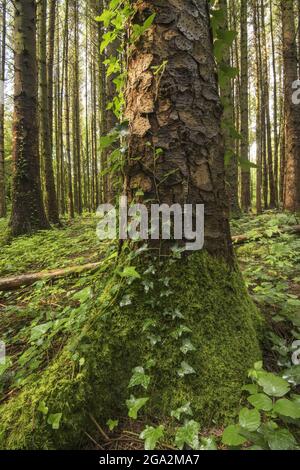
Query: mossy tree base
x=224 y=326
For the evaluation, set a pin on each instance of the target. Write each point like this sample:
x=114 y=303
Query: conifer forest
x=149 y=227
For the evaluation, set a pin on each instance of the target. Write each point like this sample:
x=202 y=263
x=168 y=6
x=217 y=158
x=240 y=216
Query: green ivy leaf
x=134 y=405
x=130 y=271
x=188 y=435
x=208 y=443
x=139 y=378
x=112 y=424
x=54 y=420
x=185 y=409
x=185 y=369
x=43 y=408
x=151 y=436
x=187 y=346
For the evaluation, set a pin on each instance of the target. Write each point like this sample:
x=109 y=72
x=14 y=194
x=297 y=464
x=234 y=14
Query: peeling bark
x=177 y=108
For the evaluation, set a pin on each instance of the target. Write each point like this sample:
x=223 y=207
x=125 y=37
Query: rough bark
x=27 y=205
x=292 y=111
x=178 y=112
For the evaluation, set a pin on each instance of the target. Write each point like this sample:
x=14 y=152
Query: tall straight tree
x=46 y=116
x=246 y=176
x=291 y=198
x=28 y=212
x=232 y=181
x=2 y=80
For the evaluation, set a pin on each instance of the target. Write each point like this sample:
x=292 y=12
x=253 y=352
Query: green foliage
x=151 y=436
x=265 y=425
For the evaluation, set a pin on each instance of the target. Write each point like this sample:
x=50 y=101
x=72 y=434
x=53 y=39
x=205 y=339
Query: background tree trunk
x=246 y=192
x=27 y=205
x=2 y=143
x=46 y=114
x=292 y=111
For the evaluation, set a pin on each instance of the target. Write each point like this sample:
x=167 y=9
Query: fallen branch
x=241 y=239
x=15 y=282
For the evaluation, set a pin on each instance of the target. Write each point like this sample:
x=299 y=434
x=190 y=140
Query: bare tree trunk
x=67 y=114
x=28 y=212
x=246 y=192
x=46 y=115
x=292 y=111
x=2 y=143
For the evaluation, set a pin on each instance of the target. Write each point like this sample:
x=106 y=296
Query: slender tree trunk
x=258 y=109
x=46 y=116
x=292 y=111
x=272 y=199
x=67 y=115
x=228 y=121
x=246 y=192
x=2 y=143
x=275 y=107
x=28 y=212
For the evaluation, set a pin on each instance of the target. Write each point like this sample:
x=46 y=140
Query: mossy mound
x=200 y=293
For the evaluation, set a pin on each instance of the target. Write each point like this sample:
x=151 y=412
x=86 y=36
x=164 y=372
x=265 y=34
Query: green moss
x=224 y=327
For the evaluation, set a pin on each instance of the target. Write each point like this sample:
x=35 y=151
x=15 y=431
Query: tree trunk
x=231 y=169
x=257 y=36
x=2 y=143
x=246 y=193
x=28 y=212
x=292 y=111
x=46 y=116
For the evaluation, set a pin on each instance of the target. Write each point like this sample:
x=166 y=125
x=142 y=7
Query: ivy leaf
x=43 y=408
x=54 y=420
x=185 y=369
x=187 y=346
x=249 y=419
x=126 y=300
x=188 y=435
x=185 y=409
x=130 y=271
x=112 y=424
x=208 y=443
x=139 y=378
x=180 y=331
x=232 y=437
x=260 y=401
x=151 y=436
x=273 y=386
x=287 y=408
x=134 y=405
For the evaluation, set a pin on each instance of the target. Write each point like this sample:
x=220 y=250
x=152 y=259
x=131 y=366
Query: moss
x=224 y=327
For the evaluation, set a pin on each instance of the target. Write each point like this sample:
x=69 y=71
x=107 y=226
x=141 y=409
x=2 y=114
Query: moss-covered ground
x=72 y=344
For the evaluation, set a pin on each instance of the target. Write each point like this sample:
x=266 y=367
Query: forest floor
x=270 y=261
